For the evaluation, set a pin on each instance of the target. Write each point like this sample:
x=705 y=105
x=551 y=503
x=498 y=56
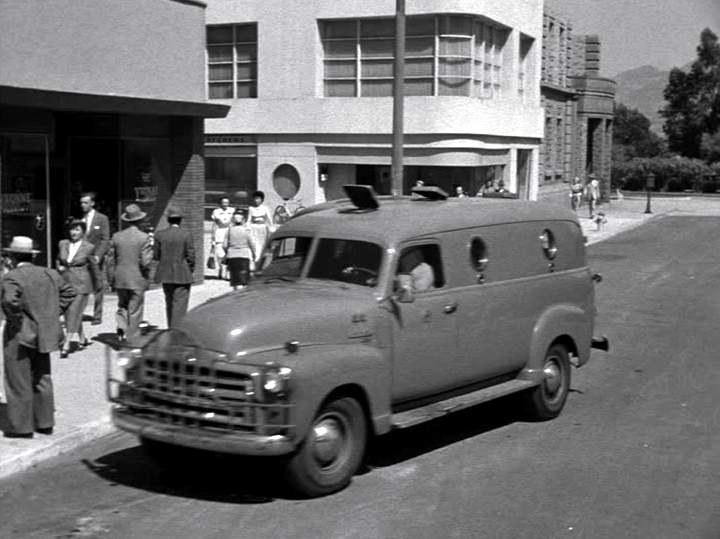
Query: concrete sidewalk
x=79 y=380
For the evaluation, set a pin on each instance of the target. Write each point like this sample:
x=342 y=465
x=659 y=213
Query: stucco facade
x=104 y=96
x=332 y=140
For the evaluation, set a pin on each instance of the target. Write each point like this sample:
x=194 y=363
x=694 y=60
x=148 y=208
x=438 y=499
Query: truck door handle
x=451 y=308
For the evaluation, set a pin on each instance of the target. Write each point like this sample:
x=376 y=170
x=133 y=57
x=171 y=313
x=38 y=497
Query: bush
x=671 y=173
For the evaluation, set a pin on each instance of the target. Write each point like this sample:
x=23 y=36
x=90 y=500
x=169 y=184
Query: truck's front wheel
x=332 y=451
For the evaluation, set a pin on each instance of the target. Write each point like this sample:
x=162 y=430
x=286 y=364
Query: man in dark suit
x=98 y=233
x=32 y=300
x=131 y=252
x=175 y=252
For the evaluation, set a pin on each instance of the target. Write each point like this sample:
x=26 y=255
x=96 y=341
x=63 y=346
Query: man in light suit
x=33 y=298
x=98 y=233
x=175 y=252
x=132 y=254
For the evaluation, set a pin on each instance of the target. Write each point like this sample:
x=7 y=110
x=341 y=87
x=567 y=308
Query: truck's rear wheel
x=547 y=400
x=332 y=451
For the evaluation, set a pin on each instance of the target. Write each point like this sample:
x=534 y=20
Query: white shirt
x=73 y=249
x=88 y=219
x=423 y=277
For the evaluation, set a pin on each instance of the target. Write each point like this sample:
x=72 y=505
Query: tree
x=632 y=136
x=693 y=99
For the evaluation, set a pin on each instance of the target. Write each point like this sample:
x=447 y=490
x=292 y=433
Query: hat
x=21 y=244
x=174 y=211
x=132 y=213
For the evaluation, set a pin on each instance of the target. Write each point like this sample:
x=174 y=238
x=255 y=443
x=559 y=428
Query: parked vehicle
x=371 y=314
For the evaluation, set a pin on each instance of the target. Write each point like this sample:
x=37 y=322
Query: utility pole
x=398 y=98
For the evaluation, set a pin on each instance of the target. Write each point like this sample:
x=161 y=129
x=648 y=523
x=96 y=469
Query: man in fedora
x=175 y=252
x=33 y=298
x=131 y=251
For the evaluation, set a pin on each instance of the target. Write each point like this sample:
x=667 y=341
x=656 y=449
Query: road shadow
x=242 y=480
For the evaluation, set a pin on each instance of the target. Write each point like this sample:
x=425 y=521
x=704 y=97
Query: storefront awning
x=69 y=101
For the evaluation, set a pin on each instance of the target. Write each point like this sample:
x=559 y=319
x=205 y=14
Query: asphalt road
x=635 y=453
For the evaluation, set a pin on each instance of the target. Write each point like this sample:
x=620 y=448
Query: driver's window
x=422 y=263
x=349 y=261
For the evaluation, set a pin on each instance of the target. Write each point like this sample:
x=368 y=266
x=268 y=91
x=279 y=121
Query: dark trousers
x=97 y=273
x=177 y=297
x=130 y=310
x=30 y=403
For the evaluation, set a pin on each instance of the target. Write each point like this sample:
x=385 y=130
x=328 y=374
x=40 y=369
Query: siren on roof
x=430 y=192
x=362 y=196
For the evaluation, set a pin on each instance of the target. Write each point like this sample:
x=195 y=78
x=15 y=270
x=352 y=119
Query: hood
x=269 y=315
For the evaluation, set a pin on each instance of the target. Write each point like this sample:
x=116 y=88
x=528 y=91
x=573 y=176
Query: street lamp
x=649 y=185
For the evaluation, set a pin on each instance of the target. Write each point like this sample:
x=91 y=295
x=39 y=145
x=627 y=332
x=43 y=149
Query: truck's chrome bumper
x=240 y=443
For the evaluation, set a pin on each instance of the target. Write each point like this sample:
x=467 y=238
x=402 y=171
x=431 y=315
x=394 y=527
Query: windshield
x=347 y=261
x=285 y=257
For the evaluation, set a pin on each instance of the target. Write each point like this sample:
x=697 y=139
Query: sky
x=633 y=33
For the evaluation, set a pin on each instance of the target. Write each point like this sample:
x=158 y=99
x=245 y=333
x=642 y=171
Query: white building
x=310 y=85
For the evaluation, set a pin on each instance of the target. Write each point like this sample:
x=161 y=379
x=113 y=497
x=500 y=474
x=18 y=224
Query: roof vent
x=430 y=192
x=362 y=196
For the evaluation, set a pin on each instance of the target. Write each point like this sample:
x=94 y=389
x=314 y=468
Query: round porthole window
x=547 y=239
x=286 y=181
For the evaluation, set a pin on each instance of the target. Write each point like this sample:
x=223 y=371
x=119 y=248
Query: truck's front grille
x=211 y=395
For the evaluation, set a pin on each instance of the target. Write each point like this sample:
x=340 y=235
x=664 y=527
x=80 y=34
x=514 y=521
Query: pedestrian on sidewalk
x=131 y=252
x=592 y=194
x=97 y=232
x=175 y=253
x=221 y=218
x=240 y=250
x=74 y=263
x=576 y=190
x=33 y=298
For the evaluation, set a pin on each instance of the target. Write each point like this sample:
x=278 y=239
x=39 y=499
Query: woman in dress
x=73 y=263
x=221 y=218
x=260 y=221
x=240 y=250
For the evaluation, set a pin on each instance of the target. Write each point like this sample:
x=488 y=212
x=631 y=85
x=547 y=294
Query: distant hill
x=642 y=88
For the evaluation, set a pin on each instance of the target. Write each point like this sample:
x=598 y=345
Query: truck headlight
x=277 y=380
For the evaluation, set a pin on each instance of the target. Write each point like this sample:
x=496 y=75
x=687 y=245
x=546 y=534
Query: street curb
x=55 y=445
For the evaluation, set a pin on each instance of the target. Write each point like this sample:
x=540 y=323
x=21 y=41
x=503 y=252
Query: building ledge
x=557 y=88
x=588 y=83
x=71 y=101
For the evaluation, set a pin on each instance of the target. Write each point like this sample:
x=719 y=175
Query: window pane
x=458 y=25
x=377 y=68
x=456 y=45
x=220 y=91
x=246 y=89
x=220 y=54
x=376 y=88
x=219 y=34
x=377 y=28
x=348 y=261
x=340 y=88
x=419 y=67
x=420 y=26
x=419 y=46
x=220 y=72
x=342 y=69
x=333 y=29
x=478 y=92
x=246 y=52
x=418 y=87
x=340 y=49
x=454 y=67
x=246 y=32
x=449 y=86
x=247 y=71
x=371 y=48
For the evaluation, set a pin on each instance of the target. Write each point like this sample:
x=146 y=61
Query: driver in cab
x=412 y=263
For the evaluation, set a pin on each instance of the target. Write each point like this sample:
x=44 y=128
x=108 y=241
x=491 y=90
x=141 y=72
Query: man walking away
x=32 y=300
x=97 y=228
x=132 y=254
x=175 y=252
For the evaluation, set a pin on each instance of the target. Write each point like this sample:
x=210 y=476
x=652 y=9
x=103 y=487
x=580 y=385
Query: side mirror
x=404 y=292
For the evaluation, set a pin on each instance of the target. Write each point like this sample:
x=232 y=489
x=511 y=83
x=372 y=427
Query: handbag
x=211 y=262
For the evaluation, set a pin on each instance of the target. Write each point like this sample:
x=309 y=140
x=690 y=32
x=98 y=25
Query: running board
x=416 y=416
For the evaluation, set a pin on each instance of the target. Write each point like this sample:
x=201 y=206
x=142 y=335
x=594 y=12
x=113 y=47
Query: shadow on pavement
x=238 y=480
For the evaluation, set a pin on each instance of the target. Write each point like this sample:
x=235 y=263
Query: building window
x=444 y=55
x=232 y=61
x=523 y=76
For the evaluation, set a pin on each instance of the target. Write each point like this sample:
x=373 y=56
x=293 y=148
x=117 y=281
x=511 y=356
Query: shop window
x=232 y=61
x=444 y=55
x=234 y=177
x=286 y=181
